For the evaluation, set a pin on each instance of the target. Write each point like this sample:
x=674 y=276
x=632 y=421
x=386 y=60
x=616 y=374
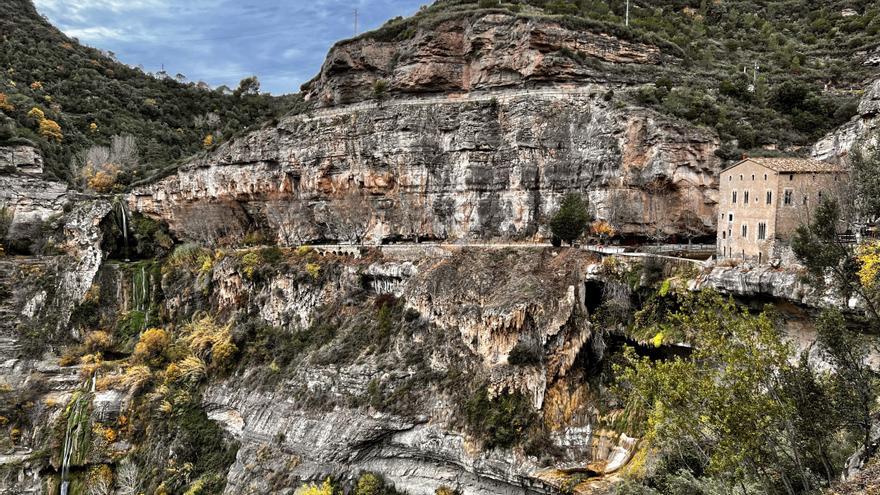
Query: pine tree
x=572 y=219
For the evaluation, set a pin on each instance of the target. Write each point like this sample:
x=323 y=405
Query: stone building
x=763 y=200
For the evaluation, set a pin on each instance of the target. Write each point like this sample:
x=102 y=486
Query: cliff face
x=476 y=167
x=479 y=53
x=861 y=130
x=516 y=121
x=338 y=412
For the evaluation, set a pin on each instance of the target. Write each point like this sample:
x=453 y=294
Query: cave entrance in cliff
x=127 y=236
x=594 y=293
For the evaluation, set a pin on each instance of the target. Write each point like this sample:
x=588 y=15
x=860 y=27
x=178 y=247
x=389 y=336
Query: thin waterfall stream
x=75 y=433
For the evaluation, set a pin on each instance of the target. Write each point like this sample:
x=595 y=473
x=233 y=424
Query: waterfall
x=74 y=436
x=124 y=212
x=145 y=282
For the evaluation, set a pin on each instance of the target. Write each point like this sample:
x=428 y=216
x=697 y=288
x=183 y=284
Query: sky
x=282 y=42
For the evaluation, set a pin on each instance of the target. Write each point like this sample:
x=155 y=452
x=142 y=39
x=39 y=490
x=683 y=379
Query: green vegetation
x=67 y=98
x=500 y=421
x=571 y=220
x=810 y=58
x=693 y=409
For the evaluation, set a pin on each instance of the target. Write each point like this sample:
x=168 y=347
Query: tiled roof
x=795 y=165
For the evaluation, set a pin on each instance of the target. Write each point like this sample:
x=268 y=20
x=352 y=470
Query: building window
x=791 y=177
x=805 y=199
x=765 y=176
x=745 y=230
x=740 y=176
x=723 y=234
x=753 y=176
x=730 y=217
x=729 y=178
x=733 y=198
x=769 y=197
x=745 y=198
x=762 y=231
x=787 y=200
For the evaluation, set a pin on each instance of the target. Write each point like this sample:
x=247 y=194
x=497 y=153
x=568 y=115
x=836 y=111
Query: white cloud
x=95 y=34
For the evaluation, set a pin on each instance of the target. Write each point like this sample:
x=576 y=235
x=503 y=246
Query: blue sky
x=283 y=42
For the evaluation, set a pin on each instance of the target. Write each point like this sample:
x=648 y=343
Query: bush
x=500 y=421
x=373 y=484
x=571 y=220
x=152 y=345
x=98 y=341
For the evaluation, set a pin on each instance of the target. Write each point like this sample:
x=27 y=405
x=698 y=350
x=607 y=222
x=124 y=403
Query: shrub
x=499 y=421
x=152 y=345
x=326 y=488
x=190 y=370
x=250 y=262
x=210 y=342
x=571 y=220
x=98 y=341
x=369 y=484
x=314 y=270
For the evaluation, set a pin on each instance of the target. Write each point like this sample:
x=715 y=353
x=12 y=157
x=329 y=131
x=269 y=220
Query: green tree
x=571 y=220
x=819 y=248
x=247 y=86
x=735 y=404
x=854 y=383
x=866 y=179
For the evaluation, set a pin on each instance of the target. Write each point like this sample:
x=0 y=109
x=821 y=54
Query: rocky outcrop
x=862 y=129
x=24 y=195
x=22 y=159
x=478 y=52
x=767 y=282
x=470 y=309
x=480 y=167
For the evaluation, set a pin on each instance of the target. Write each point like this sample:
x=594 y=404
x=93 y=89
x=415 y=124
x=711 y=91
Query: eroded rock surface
x=480 y=169
x=480 y=52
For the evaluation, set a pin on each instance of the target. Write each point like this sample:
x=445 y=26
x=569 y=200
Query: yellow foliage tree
x=4 y=103
x=208 y=141
x=152 y=344
x=98 y=341
x=50 y=129
x=326 y=488
x=37 y=114
x=101 y=181
x=603 y=229
x=93 y=127
x=36 y=85
x=869 y=258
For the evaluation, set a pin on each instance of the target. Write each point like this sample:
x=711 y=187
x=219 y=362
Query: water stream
x=123 y=213
x=76 y=432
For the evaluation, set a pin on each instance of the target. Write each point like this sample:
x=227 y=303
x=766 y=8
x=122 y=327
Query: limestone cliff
x=861 y=130
x=476 y=167
x=479 y=52
x=492 y=118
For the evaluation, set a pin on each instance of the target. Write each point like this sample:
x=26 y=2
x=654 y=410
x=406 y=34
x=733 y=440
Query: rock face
x=477 y=53
x=477 y=167
x=526 y=297
x=862 y=129
x=23 y=159
x=493 y=119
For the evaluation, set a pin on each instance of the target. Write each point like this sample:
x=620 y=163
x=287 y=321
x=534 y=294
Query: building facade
x=763 y=201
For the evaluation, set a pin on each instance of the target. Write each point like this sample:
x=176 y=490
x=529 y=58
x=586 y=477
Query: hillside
x=812 y=61
x=93 y=97
x=358 y=290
